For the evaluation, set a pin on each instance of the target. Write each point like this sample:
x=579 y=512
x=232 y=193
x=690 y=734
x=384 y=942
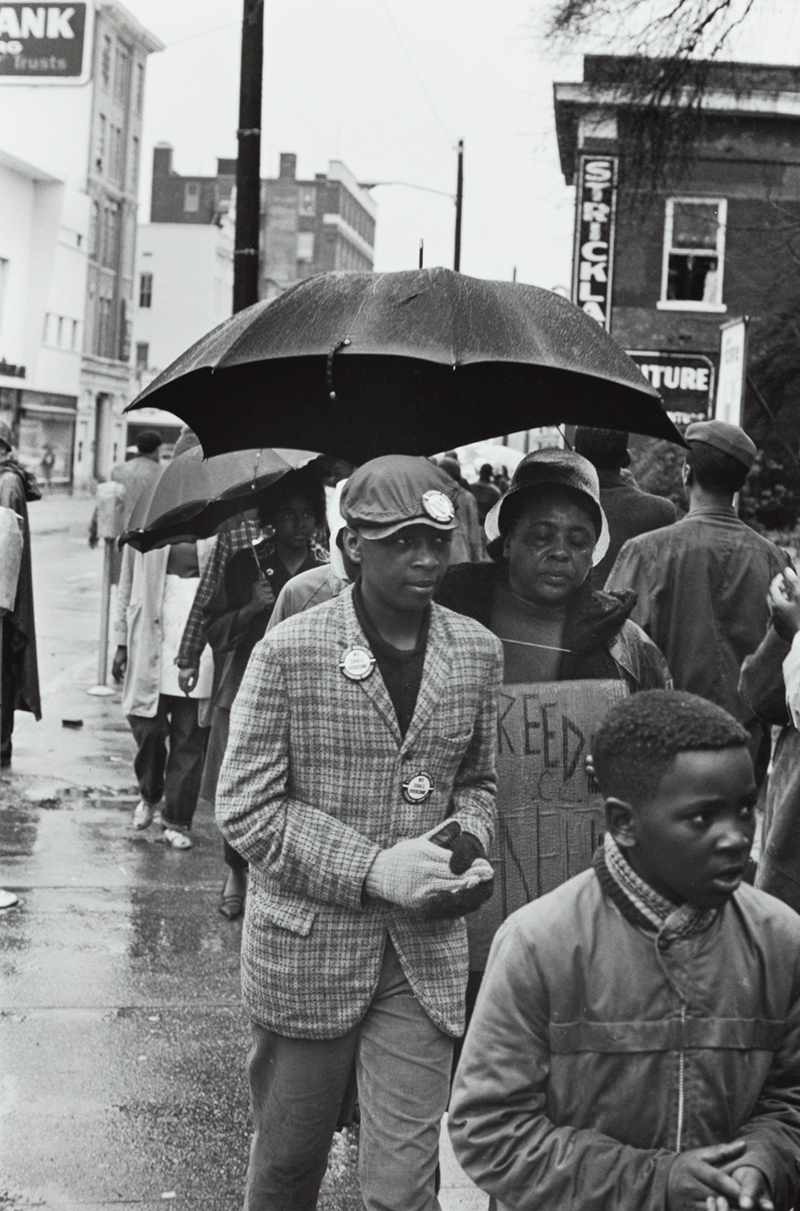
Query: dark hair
x=293 y=483
x=640 y=738
x=486 y=469
x=715 y=470
x=148 y=441
x=603 y=447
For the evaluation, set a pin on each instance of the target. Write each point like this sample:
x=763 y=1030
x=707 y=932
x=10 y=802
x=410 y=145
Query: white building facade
x=71 y=98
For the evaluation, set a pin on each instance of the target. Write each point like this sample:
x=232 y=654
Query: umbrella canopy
x=194 y=496
x=362 y=364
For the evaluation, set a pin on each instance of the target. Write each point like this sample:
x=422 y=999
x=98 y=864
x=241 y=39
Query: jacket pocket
x=295 y=916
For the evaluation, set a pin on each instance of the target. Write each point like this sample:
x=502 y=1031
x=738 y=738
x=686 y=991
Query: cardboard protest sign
x=550 y=814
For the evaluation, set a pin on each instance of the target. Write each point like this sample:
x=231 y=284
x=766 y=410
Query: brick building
x=665 y=262
x=308 y=226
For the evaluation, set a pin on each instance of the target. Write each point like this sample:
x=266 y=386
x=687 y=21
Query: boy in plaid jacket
x=361 y=728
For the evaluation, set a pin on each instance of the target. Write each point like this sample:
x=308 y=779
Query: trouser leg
x=184 y=765
x=150 y=734
x=403 y=1086
x=296 y=1091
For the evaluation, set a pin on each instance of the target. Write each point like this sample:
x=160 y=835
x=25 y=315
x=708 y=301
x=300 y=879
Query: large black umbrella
x=362 y=364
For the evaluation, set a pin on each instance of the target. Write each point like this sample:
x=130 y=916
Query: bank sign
x=685 y=382
x=595 y=220
x=44 y=43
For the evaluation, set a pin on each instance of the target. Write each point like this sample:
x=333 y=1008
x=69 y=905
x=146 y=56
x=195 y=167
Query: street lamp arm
x=408 y=185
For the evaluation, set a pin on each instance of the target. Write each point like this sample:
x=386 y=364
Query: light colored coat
x=139 y=628
x=311 y=791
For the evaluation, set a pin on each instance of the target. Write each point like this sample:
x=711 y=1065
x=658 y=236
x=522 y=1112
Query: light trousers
x=297 y=1085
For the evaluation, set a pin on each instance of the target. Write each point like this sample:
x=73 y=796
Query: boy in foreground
x=636 y=1043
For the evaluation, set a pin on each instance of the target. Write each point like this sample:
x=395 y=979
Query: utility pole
x=459 y=204
x=248 y=162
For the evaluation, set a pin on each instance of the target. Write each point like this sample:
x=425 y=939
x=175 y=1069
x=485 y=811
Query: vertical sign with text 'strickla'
x=549 y=810
x=595 y=221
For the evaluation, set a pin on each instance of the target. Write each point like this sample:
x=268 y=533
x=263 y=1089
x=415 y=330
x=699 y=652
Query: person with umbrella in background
x=156 y=591
x=236 y=617
x=361 y=728
x=546 y=534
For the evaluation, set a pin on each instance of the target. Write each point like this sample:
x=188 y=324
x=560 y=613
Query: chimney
x=288 y=166
x=162 y=160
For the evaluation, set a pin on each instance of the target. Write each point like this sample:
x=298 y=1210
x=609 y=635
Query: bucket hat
x=563 y=467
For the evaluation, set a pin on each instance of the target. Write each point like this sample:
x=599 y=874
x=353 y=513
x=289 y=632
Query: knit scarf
x=641 y=903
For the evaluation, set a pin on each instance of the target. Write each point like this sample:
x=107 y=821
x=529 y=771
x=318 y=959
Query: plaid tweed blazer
x=311 y=790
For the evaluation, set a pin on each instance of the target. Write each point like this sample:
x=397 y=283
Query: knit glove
x=464 y=850
x=412 y=871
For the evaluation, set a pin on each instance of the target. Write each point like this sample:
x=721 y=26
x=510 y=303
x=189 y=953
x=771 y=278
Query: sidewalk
x=121 y=1026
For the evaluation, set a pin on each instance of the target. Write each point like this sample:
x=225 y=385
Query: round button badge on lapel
x=418 y=789
x=357 y=664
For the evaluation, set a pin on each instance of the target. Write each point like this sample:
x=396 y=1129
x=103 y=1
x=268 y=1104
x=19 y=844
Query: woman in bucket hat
x=545 y=535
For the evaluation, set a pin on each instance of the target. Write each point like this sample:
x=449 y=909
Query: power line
x=202 y=34
x=419 y=79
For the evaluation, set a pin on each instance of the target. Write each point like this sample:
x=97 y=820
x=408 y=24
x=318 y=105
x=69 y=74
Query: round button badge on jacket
x=357 y=664
x=418 y=788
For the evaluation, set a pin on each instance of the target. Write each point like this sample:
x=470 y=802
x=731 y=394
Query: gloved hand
x=465 y=849
x=411 y=871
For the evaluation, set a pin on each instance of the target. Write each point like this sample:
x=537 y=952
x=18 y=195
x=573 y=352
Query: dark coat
x=629 y=512
x=602 y=642
x=16 y=489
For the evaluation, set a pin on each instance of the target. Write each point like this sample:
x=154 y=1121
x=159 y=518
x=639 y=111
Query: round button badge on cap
x=438 y=506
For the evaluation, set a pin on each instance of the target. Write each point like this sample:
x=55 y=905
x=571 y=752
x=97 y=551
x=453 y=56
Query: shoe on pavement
x=7 y=898
x=143 y=814
x=177 y=839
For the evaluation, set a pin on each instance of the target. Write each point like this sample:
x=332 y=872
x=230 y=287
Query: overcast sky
x=389 y=87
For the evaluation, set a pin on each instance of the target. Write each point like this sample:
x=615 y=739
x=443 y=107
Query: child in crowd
x=636 y=1043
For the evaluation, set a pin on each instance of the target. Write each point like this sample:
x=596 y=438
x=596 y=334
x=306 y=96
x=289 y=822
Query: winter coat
x=602 y=641
x=599 y=1049
x=139 y=598
x=17 y=487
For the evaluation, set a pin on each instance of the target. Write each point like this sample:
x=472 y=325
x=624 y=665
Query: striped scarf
x=654 y=912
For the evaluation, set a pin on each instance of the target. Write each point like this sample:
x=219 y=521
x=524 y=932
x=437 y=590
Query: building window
x=191 y=197
x=94 y=230
x=305 y=246
x=145 y=290
x=139 y=88
x=101 y=142
x=110 y=235
x=115 y=152
x=142 y=354
x=122 y=64
x=134 y=181
x=307 y=202
x=694 y=249
x=105 y=62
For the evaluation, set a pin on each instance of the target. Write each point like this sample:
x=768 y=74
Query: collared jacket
x=311 y=790
x=701 y=588
x=17 y=487
x=596 y=1052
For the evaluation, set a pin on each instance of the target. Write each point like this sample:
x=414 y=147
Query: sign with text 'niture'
x=549 y=811
x=685 y=382
x=595 y=220
x=44 y=43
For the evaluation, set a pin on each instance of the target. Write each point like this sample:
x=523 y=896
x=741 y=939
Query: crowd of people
x=324 y=675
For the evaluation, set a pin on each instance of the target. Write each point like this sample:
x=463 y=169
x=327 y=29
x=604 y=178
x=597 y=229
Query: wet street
x=121 y=1033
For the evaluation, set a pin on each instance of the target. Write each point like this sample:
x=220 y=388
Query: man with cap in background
x=359 y=783
x=629 y=511
x=702 y=583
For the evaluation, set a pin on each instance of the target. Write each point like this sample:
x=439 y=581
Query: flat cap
x=398 y=490
x=730 y=439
